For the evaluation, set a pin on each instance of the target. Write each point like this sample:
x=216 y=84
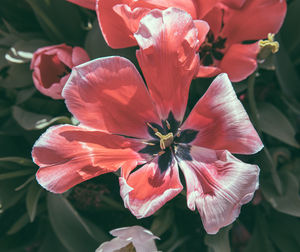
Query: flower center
x=211 y=49
x=165 y=140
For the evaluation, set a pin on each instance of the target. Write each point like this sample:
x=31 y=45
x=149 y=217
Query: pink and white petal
x=68 y=155
x=113 y=245
x=207 y=71
x=89 y=4
x=203 y=29
x=141 y=238
x=109 y=94
x=240 y=61
x=168 y=58
x=79 y=56
x=131 y=17
x=219 y=189
x=113 y=27
x=222 y=122
x=147 y=189
x=251 y=22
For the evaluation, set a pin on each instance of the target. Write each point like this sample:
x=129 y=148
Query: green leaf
x=68 y=226
x=285 y=241
x=19 y=224
x=32 y=198
x=17 y=160
x=15 y=174
x=162 y=222
x=54 y=18
x=260 y=241
x=8 y=196
x=51 y=243
x=286 y=73
x=220 y=241
x=289 y=201
x=275 y=124
x=22 y=51
x=19 y=75
x=33 y=121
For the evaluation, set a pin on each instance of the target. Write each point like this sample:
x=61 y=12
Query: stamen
x=168 y=125
x=269 y=43
x=148 y=143
x=165 y=140
x=178 y=132
x=154 y=129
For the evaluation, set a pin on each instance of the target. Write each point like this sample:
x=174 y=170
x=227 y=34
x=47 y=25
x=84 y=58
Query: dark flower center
x=211 y=49
x=169 y=141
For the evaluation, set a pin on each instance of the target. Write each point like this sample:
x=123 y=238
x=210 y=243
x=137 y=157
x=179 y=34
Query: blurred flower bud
x=52 y=66
x=130 y=239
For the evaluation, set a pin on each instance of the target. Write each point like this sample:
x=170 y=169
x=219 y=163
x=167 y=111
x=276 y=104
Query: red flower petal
x=222 y=121
x=168 y=58
x=240 y=61
x=207 y=71
x=90 y=4
x=219 y=188
x=79 y=56
x=254 y=20
x=113 y=27
x=234 y=3
x=68 y=155
x=147 y=189
x=109 y=94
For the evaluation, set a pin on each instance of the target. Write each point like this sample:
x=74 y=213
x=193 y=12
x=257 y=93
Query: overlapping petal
x=147 y=189
x=119 y=19
x=89 y=4
x=218 y=188
x=109 y=94
x=113 y=26
x=168 y=58
x=68 y=155
x=240 y=61
x=222 y=121
x=254 y=20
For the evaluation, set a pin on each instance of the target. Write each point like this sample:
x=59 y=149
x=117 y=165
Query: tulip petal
x=114 y=28
x=222 y=122
x=148 y=189
x=234 y=3
x=240 y=61
x=89 y=4
x=109 y=94
x=79 y=56
x=219 y=188
x=168 y=58
x=254 y=20
x=68 y=155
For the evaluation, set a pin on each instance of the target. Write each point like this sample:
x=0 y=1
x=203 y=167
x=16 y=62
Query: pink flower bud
x=52 y=66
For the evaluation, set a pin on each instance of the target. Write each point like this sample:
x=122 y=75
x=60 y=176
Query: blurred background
x=32 y=219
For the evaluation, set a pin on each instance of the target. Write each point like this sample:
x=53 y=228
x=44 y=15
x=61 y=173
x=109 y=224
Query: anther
x=168 y=125
x=154 y=129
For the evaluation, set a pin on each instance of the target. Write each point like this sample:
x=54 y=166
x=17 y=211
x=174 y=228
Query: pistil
x=165 y=140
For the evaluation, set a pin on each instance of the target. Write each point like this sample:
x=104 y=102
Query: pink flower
x=135 y=238
x=52 y=66
x=124 y=124
x=231 y=22
x=89 y=4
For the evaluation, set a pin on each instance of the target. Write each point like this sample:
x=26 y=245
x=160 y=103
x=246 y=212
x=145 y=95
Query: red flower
x=125 y=125
x=89 y=4
x=232 y=22
x=52 y=65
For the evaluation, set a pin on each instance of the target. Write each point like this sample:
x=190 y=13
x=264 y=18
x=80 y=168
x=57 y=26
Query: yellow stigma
x=269 y=43
x=165 y=140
